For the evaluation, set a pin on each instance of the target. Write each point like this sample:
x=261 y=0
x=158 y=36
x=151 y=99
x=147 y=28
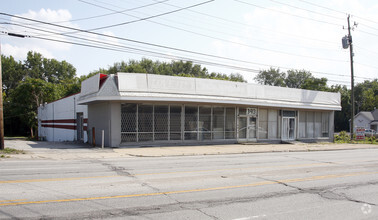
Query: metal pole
x=102 y=139
x=352 y=80
x=2 y=146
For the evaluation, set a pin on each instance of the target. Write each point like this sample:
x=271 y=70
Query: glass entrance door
x=288 y=128
x=251 y=128
x=247 y=128
x=242 y=128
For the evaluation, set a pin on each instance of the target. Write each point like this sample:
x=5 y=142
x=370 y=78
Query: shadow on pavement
x=58 y=145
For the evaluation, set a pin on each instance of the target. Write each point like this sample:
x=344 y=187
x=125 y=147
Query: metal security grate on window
x=191 y=129
x=161 y=122
x=145 y=122
x=148 y=122
x=175 y=122
x=128 y=122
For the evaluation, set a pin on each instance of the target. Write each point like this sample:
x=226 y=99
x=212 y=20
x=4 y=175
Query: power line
x=365 y=32
x=362 y=48
x=167 y=56
x=107 y=14
x=228 y=41
x=367 y=65
x=254 y=26
x=290 y=14
x=146 y=51
x=320 y=6
x=162 y=55
x=131 y=49
x=368 y=26
x=180 y=50
x=225 y=33
x=334 y=10
x=143 y=19
x=372 y=21
x=141 y=42
x=303 y=9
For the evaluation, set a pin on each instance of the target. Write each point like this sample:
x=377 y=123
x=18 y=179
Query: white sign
x=360 y=133
x=252 y=112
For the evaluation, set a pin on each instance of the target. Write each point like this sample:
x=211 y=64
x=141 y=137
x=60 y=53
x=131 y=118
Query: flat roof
x=150 y=87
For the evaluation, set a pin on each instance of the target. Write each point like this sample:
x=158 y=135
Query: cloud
x=47 y=48
x=19 y=53
x=110 y=39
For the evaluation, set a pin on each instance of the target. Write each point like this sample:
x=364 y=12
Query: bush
x=342 y=137
x=8 y=150
x=371 y=139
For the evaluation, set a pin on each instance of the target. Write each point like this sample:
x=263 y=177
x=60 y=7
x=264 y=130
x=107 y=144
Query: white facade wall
x=148 y=87
x=101 y=98
x=361 y=121
x=57 y=120
x=108 y=119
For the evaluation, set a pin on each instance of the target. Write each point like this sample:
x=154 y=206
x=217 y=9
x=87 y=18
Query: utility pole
x=1 y=107
x=347 y=42
x=352 y=79
x=2 y=146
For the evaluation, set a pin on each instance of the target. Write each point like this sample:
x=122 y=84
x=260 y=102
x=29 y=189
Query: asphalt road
x=301 y=185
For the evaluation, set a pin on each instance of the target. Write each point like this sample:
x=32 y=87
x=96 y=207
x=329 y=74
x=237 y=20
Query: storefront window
x=313 y=124
x=148 y=122
x=230 y=123
x=191 y=130
x=204 y=123
x=263 y=124
x=325 y=124
x=318 y=124
x=175 y=122
x=145 y=122
x=309 y=124
x=129 y=123
x=272 y=124
x=218 y=123
x=161 y=122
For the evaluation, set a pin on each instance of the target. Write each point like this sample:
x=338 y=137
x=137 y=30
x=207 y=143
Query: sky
x=225 y=36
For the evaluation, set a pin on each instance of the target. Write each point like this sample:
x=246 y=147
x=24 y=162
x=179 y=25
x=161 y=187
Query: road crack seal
x=119 y=170
x=319 y=161
x=328 y=194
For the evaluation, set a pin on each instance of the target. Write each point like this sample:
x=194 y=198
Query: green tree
x=272 y=77
x=296 y=78
x=56 y=71
x=366 y=95
x=313 y=83
x=24 y=89
x=50 y=70
x=29 y=95
x=342 y=117
x=12 y=73
x=34 y=66
x=174 y=68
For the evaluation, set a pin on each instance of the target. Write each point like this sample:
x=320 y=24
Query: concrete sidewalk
x=69 y=150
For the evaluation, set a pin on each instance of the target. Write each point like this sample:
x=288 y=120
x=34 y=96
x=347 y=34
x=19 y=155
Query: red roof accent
x=103 y=78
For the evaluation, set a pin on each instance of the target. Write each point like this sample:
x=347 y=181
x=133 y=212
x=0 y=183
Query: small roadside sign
x=360 y=133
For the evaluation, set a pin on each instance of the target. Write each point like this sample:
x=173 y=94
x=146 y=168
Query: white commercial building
x=63 y=120
x=136 y=109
